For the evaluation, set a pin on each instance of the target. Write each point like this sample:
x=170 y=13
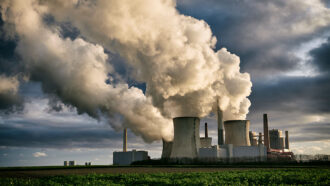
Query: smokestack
x=266 y=132
x=125 y=140
x=206 y=134
x=220 y=126
x=287 y=139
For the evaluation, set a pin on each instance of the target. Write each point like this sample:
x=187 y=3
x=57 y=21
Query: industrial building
x=276 y=139
x=69 y=163
x=127 y=157
x=206 y=141
x=235 y=141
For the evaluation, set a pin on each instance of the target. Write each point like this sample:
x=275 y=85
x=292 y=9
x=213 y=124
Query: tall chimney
x=220 y=126
x=125 y=140
x=266 y=132
x=287 y=139
x=206 y=134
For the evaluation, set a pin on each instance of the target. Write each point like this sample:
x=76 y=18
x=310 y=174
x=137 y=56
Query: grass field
x=286 y=176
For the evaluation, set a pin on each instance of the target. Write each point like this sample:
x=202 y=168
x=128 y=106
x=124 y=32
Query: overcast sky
x=283 y=44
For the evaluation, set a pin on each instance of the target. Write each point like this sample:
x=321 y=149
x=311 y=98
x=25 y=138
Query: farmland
x=172 y=176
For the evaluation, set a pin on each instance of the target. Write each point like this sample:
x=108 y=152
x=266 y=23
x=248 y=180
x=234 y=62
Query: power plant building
x=206 y=141
x=239 y=143
x=277 y=141
x=253 y=138
x=127 y=157
x=188 y=144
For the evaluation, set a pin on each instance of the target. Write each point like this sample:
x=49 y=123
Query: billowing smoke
x=9 y=92
x=171 y=53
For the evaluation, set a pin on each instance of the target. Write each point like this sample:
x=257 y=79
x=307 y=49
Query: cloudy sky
x=74 y=73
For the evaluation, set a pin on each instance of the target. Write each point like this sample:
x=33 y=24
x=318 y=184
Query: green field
x=290 y=176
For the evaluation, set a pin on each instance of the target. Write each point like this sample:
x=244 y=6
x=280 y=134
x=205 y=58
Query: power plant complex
x=235 y=143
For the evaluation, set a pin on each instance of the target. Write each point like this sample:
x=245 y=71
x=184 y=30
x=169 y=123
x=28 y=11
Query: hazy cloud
x=262 y=33
x=9 y=97
x=39 y=154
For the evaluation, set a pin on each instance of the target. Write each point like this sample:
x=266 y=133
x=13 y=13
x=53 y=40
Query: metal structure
x=237 y=132
x=186 y=141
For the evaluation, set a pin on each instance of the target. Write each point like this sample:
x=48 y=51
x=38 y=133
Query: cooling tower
x=186 y=141
x=167 y=149
x=237 y=132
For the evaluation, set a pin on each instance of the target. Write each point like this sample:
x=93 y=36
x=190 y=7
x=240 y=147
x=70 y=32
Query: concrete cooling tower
x=237 y=132
x=186 y=141
x=167 y=149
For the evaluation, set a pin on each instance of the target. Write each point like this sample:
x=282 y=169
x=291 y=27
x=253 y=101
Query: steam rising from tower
x=171 y=53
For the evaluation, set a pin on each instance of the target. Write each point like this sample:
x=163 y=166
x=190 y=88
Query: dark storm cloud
x=327 y=3
x=10 y=103
x=321 y=56
x=9 y=62
x=25 y=134
x=304 y=94
x=314 y=132
x=262 y=33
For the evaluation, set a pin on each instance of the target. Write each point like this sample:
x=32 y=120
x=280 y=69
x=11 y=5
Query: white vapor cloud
x=171 y=53
x=39 y=154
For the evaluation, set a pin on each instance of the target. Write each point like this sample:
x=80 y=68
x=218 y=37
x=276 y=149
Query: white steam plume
x=172 y=53
x=8 y=92
x=77 y=71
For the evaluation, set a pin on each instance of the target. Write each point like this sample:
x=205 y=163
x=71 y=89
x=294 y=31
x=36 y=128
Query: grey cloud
x=10 y=103
x=305 y=94
x=9 y=98
x=26 y=135
x=321 y=56
x=311 y=132
x=262 y=33
x=326 y=2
